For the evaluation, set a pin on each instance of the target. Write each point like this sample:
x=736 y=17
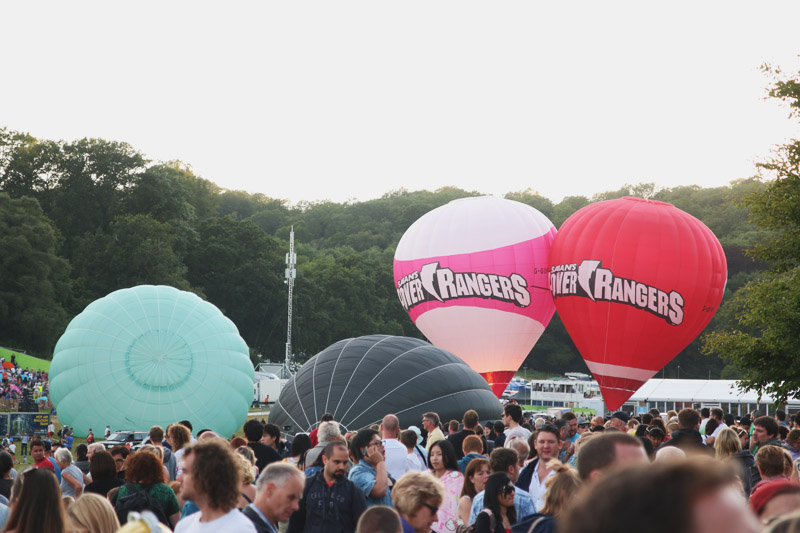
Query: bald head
x=208 y=435
x=390 y=427
x=669 y=453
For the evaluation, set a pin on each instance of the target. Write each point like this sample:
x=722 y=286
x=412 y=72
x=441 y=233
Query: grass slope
x=26 y=361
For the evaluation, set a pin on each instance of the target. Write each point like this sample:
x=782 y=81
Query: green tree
x=240 y=270
x=766 y=340
x=34 y=281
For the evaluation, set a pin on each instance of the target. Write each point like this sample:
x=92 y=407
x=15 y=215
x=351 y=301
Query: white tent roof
x=697 y=390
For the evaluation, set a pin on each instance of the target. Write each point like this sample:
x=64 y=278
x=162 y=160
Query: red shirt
x=45 y=463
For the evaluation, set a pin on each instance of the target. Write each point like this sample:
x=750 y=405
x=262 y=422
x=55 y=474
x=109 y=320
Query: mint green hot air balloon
x=151 y=355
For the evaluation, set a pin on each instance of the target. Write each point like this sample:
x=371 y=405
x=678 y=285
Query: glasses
x=432 y=508
x=376 y=443
x=508 y=489
x=119 y=461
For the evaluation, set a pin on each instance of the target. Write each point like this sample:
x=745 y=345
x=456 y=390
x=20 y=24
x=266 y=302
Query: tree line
x=81 y=219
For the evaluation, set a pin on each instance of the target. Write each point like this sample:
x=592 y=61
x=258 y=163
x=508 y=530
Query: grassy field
x=26 y=361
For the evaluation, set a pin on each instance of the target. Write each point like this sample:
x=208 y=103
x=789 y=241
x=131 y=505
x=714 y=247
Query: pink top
x=447 y=516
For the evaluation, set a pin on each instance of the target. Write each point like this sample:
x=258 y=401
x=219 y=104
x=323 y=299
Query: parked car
x=125 y=438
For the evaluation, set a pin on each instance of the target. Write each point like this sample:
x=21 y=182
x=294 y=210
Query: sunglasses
x=508 y=489
x=432 y=508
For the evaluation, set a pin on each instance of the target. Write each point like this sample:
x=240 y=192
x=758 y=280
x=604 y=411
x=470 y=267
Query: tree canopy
x=82 y=219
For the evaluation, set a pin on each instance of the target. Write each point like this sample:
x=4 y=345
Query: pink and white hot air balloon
x=473 y=276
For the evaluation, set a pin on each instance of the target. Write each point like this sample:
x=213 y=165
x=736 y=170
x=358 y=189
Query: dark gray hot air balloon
x=361 y=380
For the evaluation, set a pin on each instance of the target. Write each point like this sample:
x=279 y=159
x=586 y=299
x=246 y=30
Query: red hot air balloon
x=634 y=281
x=473 y=275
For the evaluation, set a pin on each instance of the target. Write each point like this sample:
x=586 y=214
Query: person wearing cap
x=583 y=426
x=773 y=499
x=619 y=420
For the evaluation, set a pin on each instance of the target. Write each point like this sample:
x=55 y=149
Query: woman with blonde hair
x=561 y=489
x=91 y=514
x=416 y=497
x=728 y=447
x=247 y=492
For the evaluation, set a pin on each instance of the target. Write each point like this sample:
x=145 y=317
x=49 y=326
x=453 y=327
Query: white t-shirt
x=233 y=522
x=719 y=428
x=396 y=454
x=414 y=463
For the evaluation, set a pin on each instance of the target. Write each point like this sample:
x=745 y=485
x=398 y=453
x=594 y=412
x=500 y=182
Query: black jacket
x=457 y=440
x=748 y=463
x=326 y=509
x=258 y=522
x=686 y=439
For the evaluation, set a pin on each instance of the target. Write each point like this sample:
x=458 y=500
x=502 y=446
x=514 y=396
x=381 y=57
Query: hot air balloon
x=472 y=275
x=361 y=380
x=634 y=281
x=151 y=355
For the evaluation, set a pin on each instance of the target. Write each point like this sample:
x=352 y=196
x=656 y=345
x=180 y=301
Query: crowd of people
x=16 y=379
x=689 y=471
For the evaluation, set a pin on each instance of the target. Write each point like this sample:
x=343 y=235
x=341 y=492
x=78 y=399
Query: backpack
x=139 y=500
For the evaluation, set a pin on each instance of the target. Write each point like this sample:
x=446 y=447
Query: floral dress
x=447 y=516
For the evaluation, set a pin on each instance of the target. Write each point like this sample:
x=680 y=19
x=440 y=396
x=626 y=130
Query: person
x=562 y=488
x=103 y=473
x=395 y=452
x=728 y=447
x=90 y=437
x=327 y=417
x=328 y=431
x=470 y=421
x=499 y=502
x=369 y=473
x=687 y=437
x=178 y=437
x=91 y=514
x=452 y=427
x=414 y=460
x=330 y=502
x=771 y=462
x=36 y=505
x=765 y=433
x=417 y=497
x=379 y=519
x=619 y=421
x=144 y=472
x=774 y=499
x=430 y=423
x=211 y=480
x=40 y=459
x=533 y=477
x=71 y=475
x=6 y=466
x=444 y=467
x=512 y=417
x=472 y=446
x=475 y=476
x=82 y=459
x=692 y=495
x=120 y=455
x=169 y=459
x=300 y=445
x=656 y=436
x=718 y=415
x=107 y=433
x=279 y=490
x=247 y=476
x=505 y=460
x=607 y=451
x=24 y=446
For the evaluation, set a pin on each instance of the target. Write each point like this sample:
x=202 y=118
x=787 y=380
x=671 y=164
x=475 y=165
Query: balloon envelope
x=361 y=380
x=634 y=281
x=151 y=355
x=472 y=275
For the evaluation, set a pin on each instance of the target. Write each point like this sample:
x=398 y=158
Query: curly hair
x=216 y=472
x=144 y=468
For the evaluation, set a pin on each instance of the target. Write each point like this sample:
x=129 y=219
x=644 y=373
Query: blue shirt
x=363 y=475
x=462 y=463
x=263 y=517
x=523 y=504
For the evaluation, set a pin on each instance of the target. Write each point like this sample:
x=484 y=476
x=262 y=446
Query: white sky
x=338 y=100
